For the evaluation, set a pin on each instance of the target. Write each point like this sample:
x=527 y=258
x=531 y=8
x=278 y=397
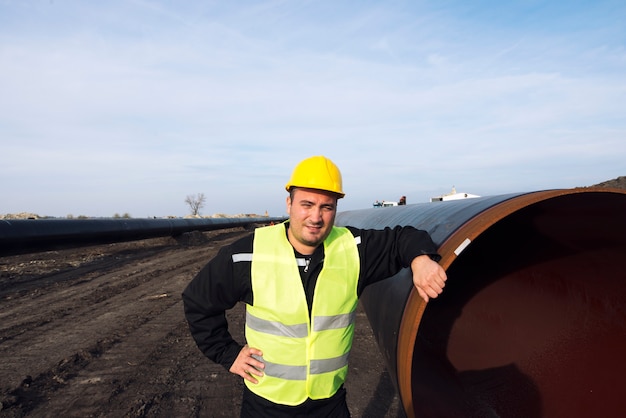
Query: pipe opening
x=532 y=320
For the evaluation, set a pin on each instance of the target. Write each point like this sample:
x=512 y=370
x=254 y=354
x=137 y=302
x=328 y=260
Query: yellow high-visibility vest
x=304 y=357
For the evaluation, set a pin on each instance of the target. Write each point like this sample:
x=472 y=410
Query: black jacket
x=222 y=283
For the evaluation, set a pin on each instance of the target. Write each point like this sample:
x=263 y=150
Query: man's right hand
x=247 y=366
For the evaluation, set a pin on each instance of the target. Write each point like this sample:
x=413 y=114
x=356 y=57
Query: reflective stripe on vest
x=299 y=372
x=303 y=357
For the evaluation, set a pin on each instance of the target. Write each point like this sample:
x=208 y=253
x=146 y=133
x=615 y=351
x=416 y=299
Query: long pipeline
x=33 y=235
x=532 y=321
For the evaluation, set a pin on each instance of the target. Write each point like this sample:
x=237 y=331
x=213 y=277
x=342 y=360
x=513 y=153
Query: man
x=301 y=281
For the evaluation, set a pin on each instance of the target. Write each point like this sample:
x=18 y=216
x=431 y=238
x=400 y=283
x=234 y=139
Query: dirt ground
x=100 y=332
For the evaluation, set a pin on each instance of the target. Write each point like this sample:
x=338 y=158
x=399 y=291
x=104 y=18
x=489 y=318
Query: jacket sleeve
x=214 y=290
x=385 y=252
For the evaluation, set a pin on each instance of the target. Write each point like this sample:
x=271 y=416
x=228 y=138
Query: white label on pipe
x=461 y=247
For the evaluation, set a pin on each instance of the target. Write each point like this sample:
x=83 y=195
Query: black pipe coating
x=32 y=235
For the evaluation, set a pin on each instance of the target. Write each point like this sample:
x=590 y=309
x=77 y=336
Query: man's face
x=312 y=215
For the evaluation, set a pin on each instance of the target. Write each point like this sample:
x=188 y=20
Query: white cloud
x=149 y=104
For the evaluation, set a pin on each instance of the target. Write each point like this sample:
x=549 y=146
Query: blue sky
x=130 y=106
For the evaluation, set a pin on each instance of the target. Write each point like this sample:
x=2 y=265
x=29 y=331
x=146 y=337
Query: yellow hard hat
x=317 y=173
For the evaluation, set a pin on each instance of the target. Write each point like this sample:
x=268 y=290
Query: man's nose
x=316 y=214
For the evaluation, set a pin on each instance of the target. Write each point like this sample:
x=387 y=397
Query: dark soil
x=99 y=332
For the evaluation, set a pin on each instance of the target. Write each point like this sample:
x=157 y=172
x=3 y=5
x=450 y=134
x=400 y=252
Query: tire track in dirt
x=87 y=307
x=50 y=336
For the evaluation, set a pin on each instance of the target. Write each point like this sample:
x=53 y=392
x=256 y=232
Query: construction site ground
x=100 y=332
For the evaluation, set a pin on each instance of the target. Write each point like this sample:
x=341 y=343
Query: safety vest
x=304 y=357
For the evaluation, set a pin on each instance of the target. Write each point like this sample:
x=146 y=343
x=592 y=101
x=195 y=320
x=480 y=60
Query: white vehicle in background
x=384 y=204
x=390 y=203
x=453 y=195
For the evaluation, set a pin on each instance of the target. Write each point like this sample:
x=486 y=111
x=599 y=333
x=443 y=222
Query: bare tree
x=195 y=203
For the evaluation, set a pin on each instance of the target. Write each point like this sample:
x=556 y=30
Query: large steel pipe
x=32 y=235
x=532 y=322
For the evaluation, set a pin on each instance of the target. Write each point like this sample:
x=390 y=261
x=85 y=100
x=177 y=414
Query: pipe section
x=32 y=235
x=532 y=322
